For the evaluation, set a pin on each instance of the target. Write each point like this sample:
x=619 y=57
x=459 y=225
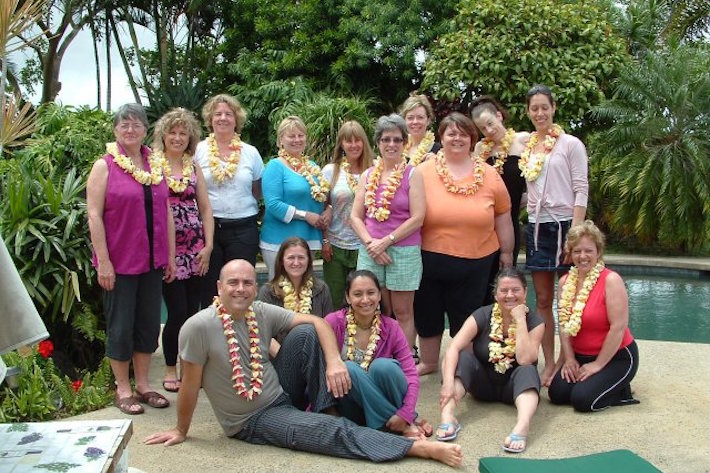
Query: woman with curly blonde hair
x=175 y=138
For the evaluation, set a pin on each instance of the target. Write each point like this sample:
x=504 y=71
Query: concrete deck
x=669 y=428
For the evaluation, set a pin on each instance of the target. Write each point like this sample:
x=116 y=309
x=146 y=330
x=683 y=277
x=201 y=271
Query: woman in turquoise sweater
x=294 y=194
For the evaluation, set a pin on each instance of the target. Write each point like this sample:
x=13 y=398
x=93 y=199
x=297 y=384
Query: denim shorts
x=544 y=258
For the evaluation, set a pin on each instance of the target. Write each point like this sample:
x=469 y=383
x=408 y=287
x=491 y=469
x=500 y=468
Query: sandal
x=153 y=399
x=171 y=385
x=516 y=438
x=454 y=427
x=415 y=354
x=127 y=405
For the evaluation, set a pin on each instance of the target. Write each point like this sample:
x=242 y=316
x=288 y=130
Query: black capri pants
x=609 y=387
x=452 y=286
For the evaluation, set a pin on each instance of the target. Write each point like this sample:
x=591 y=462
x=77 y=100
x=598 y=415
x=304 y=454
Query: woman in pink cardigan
x=554 y=164
x=385 y=384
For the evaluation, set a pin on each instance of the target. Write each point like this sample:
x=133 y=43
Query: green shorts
x=404 y=272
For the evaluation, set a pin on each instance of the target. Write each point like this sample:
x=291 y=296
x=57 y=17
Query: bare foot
x=547 y=374
x=448 y=453
x=424 y=368
x=424 y=425
x=413 y=432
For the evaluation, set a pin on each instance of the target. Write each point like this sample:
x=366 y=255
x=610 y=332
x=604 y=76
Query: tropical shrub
x=504 y=48
x=43 y=221
x=324 y=114
x=44 y=393
x=652 y=166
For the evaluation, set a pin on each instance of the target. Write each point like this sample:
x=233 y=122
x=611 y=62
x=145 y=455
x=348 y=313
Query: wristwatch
x=391 y=237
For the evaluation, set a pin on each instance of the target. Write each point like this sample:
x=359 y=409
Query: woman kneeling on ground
x=506 y=338
x=385 y=384
x=599 y=355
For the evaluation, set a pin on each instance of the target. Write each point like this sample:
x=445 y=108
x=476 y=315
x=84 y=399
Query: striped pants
x=301 y=369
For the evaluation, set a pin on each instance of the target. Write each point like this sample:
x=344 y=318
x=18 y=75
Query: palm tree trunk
x=126 y=66
x=108 y=61
x=95 y=37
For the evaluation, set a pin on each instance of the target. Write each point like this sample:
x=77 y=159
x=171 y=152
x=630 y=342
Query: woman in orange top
x=467 y=222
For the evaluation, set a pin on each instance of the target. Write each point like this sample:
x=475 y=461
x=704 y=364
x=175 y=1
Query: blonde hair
x=287 y=124
x=348 y=130
x=240 y=116
x=415 y=101
x=585 y=229
x=177 y=117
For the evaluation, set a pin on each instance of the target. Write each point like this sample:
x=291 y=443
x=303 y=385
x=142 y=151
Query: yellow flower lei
x=312 y=173
x=177 y=185
x=352 y=181
x=469 y=189
x=301 y=304
x=375 y=329
x=381 y=210
x=487 y=146
x=223 y=170
x=531 y=171
x=501 y=352
x=154 y=177
x=422 y=149
x=254 y=350
x=569 y=309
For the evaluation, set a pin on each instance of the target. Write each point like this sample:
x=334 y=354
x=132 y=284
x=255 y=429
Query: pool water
x=669 y=308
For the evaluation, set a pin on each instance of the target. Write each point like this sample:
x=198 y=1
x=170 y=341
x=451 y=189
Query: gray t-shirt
x=202 y=342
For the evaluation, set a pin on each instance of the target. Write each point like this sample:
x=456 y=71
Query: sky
x=77 y=73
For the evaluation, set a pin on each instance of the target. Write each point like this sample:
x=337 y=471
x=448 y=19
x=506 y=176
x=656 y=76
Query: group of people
x=421 y=232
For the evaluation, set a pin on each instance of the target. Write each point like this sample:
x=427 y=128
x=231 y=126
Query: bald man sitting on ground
x=224 y=349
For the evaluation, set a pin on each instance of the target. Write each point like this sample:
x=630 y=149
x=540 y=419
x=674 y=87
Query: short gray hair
x=131 y=111
x=388 y=123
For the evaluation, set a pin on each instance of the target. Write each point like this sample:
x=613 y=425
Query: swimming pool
x=669 y=305
x=664 y=304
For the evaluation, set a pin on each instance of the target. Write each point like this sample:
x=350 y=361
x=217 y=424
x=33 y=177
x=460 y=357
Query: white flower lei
x=569 y=310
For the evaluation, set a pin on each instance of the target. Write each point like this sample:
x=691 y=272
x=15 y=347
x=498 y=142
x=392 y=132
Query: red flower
x=75 y=385
x=45 y=348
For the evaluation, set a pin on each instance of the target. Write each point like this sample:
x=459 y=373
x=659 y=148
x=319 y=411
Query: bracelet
x=326 y=241
x=300 y=214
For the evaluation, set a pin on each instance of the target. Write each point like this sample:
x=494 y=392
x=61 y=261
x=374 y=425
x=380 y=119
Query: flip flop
x=153 y=399
x=171 y=385
x=446 y=427
x=126 y=403
x=516 y=438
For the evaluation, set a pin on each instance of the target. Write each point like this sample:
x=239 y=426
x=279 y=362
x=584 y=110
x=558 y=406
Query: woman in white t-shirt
x=351 y=156
x=232 y=171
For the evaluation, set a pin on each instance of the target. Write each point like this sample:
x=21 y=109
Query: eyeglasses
x=397 y=141
x=130 y=126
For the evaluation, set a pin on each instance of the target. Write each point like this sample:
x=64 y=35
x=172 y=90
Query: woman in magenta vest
x=387 y=216
x=599 y=356
x=133 y=239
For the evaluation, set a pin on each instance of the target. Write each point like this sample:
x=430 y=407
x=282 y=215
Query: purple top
x=125 y=221
x=189 y=237
x=392 y=344
x=399 y=212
